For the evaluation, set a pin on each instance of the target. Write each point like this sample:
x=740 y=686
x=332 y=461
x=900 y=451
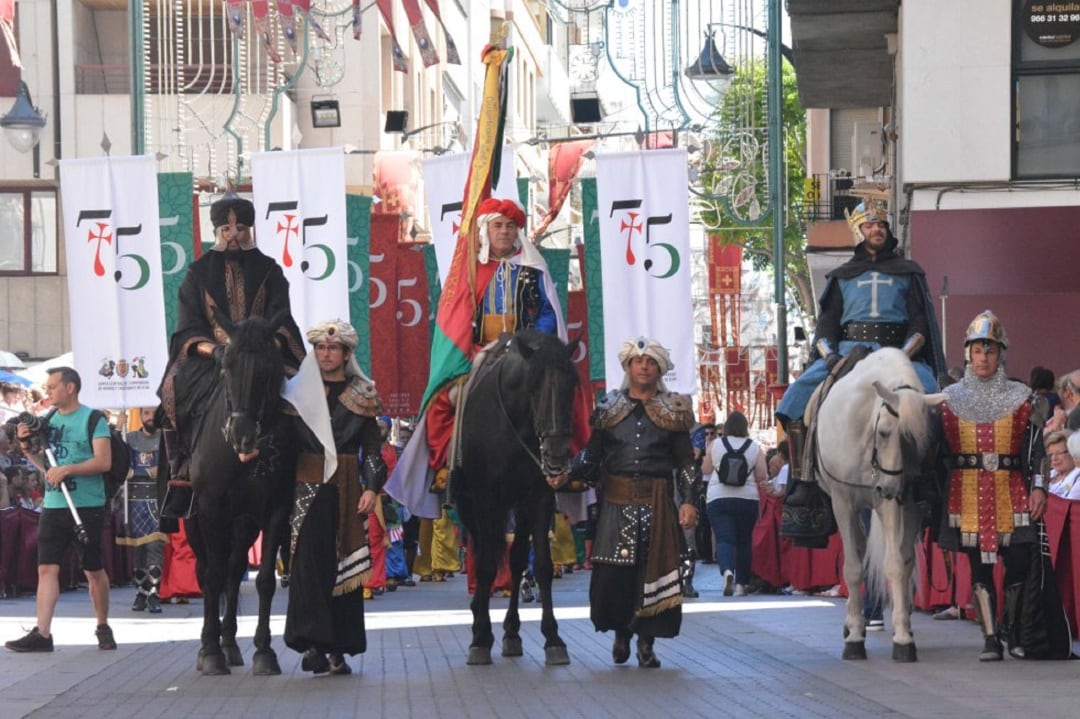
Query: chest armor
x=988 y=494
x=639 y=448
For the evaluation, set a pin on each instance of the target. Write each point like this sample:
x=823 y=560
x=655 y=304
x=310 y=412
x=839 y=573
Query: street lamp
x=23 y=122
x=710 y=64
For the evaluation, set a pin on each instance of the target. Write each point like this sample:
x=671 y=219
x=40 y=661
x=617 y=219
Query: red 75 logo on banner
x=288 y=226
x=102 y=232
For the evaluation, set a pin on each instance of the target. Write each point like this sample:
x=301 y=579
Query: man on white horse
x=994 y=493
x=875 y=299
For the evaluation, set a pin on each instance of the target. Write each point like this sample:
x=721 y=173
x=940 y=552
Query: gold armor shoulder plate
x=611 y=409
x=671 y=411
x=361 y=397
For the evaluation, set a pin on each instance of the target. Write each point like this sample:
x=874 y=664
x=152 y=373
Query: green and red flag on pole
x=452 y=339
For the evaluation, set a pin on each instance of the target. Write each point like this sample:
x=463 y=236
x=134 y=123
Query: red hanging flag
x=420 y=33
x=725 y=268
x=564 y=163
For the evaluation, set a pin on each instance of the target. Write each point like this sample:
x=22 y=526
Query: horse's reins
x=498 y=394
x=874 y=463
x=232 y=412
x=544 y=433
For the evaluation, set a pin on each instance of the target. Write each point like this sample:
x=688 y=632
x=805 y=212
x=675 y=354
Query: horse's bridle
x=543 y=434
x=233 y=413
x=874 y=463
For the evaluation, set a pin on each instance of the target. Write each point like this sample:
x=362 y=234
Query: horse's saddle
x=485 y=361
x=842 y=368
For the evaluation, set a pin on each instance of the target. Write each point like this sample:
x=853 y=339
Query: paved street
x=759 y=656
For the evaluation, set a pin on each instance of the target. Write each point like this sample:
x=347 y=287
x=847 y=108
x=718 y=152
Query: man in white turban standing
x=641 y=441
x=331 y=557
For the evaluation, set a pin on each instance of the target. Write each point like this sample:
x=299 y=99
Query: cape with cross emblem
x=887 y=262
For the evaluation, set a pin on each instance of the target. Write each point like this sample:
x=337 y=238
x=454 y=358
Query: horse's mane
x=252 y=335
x=915 y=422
x=544 y=352
x=894 y=371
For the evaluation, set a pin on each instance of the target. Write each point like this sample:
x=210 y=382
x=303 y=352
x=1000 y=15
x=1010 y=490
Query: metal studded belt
x=885 y=334
x=990 y=461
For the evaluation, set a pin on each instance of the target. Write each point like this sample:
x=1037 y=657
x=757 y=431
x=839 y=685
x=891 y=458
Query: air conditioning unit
x=866 y=148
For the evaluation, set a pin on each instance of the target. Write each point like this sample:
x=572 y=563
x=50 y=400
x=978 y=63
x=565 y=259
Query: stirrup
x=179 y=502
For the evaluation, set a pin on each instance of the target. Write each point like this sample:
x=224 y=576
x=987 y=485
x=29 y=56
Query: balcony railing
x=197 y=79
x=827 y=197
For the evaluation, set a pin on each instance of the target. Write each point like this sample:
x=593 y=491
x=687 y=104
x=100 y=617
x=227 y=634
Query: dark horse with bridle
x=237 y=500
x=515 y=431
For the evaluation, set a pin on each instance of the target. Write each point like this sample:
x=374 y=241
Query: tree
x=733 y=184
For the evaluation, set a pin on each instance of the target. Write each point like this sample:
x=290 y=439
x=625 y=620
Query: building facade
x=175 y=83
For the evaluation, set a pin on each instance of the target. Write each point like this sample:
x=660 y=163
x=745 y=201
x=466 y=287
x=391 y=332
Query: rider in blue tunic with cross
x=876 y=299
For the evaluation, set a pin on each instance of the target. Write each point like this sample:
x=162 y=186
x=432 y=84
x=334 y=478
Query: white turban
x=342 y=333
x=645 y=347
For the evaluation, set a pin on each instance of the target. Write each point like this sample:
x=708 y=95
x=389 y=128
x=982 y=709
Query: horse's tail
x=874 y=561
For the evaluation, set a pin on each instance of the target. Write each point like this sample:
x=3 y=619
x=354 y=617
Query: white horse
x=872 y=432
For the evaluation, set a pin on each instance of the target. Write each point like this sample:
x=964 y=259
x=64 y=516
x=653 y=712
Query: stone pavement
x=776 y=656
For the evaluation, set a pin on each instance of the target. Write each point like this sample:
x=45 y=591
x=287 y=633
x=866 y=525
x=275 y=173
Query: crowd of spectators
x=20 y=481
x=435 y=550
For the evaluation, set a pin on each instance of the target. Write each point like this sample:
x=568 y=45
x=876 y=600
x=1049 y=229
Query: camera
x=38 y=429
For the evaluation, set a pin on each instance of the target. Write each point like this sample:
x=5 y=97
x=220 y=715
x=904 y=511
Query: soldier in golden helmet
x=876 y=299
x=994 y=493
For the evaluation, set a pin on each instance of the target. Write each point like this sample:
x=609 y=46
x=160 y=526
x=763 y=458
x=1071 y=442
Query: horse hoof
x=904 y=653
x=213 y=665
x=854 y=650
x=265 y=664
x=479 y=656
x=511 y=647
x=556 y=656
x=233 y=655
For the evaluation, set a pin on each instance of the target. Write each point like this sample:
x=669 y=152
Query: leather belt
x=990 y=461
x=886 y=334
x=141 y=490
x=621 y=489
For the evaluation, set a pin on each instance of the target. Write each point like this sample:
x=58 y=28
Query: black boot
x=153 y=602
x=141 y=582
x=179 y=502
x=620 y=648
x=315 y=662
x=800 y=494
x=987 y=607
x=646 y=657
x=807 y=513
x=688 y=590
x=1010 y=630
x=338 y=665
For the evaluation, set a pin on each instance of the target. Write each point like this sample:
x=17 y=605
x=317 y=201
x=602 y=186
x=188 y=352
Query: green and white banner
x=177 y=218
x=644 y=216
x=114 y=274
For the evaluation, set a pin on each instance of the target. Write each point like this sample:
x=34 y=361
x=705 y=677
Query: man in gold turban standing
x=641 y=441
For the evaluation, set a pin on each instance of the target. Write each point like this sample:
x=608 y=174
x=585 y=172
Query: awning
x=11 y=378
x=10 y=360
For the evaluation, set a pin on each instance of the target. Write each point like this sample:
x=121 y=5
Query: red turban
x=506 y=208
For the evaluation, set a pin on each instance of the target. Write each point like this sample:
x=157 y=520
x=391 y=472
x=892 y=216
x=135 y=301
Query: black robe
x=320 y=615
x=239 y=285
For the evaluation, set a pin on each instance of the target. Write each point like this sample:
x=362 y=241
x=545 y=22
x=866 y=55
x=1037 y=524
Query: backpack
x=117 y=474
x=733 y=470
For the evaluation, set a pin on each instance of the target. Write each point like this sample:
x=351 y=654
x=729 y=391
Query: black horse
x=515 y=431
x=235 y=500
